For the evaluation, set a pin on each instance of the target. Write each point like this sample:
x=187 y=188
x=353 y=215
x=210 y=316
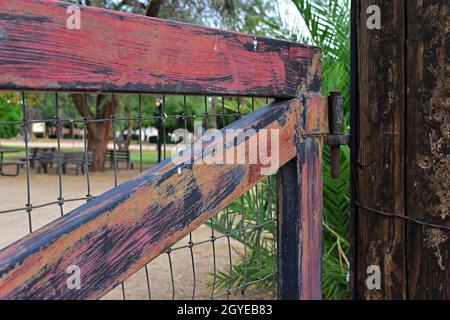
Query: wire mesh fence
x=73 y=147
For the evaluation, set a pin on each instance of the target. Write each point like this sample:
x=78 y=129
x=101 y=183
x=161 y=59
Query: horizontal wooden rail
x=117 y=233
x=120 y=52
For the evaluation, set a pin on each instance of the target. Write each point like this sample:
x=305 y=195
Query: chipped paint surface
x=300 y=202
x=115 y=234
x=316 y=116
x=300 y=223
x=428 y=149
x=159 y=59
x=433 y=239
x=311 y=218
x=402 y=145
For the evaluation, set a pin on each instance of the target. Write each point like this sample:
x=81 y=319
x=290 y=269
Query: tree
x=10 y=110
x=240 y=15
x=97 y=131
x=125 y=143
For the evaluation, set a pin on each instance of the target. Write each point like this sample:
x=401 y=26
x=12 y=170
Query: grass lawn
x=147 y=156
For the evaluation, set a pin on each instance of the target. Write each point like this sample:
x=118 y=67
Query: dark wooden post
x=427 y=157
x=300 y=224
x=289 y=231
x=380 y=151
x=300 y=210
x=402 y=148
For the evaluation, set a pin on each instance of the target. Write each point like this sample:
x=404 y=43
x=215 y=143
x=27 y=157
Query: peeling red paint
x=109 y=244
x=143 y=54
x=38 y=52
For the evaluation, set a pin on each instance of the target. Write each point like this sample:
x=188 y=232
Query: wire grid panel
x=233 y=256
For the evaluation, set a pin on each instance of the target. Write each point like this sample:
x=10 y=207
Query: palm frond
x=328 y=26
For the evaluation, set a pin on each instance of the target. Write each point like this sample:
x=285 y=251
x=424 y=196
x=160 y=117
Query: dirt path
x=45 y=188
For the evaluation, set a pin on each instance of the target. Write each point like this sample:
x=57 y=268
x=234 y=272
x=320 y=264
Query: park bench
x=45 y=160
x=120 y=156
x=9 y=162
x=34 y=155
x=17 y=163
x=77 y=159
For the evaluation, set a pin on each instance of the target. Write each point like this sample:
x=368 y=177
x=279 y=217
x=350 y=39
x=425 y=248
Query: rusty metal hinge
x=337 y=136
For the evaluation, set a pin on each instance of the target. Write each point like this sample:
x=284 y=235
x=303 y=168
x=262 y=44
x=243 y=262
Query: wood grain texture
x=316 y=115
x=120 y=52
x=300 y=223
x=380 y=149
x=300 y=206
x=117 y=233
x=428 y=148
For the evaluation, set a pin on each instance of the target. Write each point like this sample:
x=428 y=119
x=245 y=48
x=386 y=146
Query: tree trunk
x=98 y=144
x=97 y=132
x=125 y=145
x=153 y=8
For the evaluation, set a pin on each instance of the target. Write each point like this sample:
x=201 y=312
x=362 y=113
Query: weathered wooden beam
x=427 y=161
x=300 y=223
x=300 y=205
x=379 y=159
x=115 y=234
x=115 y=51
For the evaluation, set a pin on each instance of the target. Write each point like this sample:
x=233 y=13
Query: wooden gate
x=113 y=235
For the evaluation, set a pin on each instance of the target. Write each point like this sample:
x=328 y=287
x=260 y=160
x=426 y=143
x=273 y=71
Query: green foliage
x=10 y=110
x=250 y=221
x=327 y=24
x=260 y=206
x=237 y=15
x=336 y=225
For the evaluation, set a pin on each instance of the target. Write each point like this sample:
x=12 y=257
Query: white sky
x=289 y=13
x=289 y=9
x=291 y=17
